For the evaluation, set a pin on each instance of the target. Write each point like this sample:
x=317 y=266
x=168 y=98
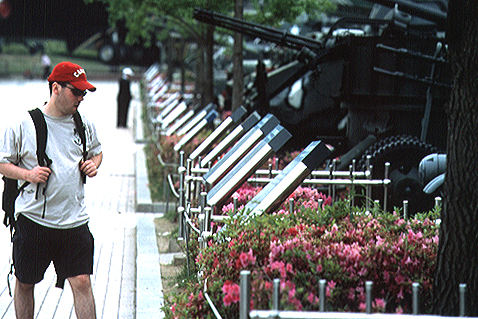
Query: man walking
x=51 y=220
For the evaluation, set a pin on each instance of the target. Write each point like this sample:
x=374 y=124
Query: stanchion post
x=334 y=187
x=438 y=202
x=322 y=283
x=320 y=205
x=368 y=297
x=405 y=210
x=181 y=171
x=385 y=186
x=188 y=181
x=236 y=206
x=276 y=294
x=416 y=298
x=462 y=288
x=245 y=297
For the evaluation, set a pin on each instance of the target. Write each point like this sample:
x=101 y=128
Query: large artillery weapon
x=372 y=87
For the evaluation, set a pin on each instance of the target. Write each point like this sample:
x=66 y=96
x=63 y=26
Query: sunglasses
x=75 y=91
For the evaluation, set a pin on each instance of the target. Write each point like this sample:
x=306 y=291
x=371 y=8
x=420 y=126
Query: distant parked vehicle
x=79 y=24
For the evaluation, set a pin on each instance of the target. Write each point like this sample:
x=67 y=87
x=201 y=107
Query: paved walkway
x=122 y=287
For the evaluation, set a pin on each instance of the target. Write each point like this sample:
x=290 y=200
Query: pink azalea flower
x=232 y=293
x=362 y=306
x=247 y=258
x=379 y=304
x=311 y=298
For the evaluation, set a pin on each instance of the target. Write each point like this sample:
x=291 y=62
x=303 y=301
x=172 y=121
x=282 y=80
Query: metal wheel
x=404 y=154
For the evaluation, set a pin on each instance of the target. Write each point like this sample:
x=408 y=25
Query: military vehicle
x=374 y=86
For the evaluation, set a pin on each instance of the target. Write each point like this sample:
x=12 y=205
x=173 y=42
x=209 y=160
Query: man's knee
x=80 y=283
x=24 y=287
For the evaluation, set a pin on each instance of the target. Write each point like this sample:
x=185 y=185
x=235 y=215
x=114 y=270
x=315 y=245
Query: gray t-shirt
x=63 y=205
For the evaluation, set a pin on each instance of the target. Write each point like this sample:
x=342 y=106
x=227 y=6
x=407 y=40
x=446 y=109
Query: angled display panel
x=222 y=128
x=173 y=115
x=244 y=145
x=274 y=193
x=209 y=118
x=151 y=72
x=169 y=100
x=155 y=85
x=231 y=138
x=199 y=116
x=180 y=122
x=247 y=165
x=168 y=109
x=160 y=92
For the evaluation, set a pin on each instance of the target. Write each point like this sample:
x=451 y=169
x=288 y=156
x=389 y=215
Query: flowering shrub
x=345 y=246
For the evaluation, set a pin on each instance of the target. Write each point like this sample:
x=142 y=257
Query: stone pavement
x=126 y=279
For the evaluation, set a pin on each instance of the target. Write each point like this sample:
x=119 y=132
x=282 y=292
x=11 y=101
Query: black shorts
x=36 y=246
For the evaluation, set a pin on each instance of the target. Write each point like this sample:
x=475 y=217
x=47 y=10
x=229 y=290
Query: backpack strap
x=42 y=133
x=82 y=132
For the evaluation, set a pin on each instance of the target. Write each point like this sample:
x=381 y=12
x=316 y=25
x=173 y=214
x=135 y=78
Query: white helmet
x=128 y=71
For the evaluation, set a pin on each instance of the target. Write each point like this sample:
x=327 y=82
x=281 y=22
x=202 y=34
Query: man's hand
x=38 y=175
x=89 y=168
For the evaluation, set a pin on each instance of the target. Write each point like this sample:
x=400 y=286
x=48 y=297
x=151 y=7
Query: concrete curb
x=149 y=287
x=143 y=201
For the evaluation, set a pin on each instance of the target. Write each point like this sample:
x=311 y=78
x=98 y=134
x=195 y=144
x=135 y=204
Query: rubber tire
x=107 y=53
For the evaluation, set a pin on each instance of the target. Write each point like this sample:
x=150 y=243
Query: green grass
x=17 y=61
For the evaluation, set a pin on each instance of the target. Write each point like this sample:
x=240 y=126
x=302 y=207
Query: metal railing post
x=236 y=206
x=368 y=188
x=368 y=297
x=330 y=178
x=188 y=180
x=245 y=297
x=462 y=291
x=438 y=201
x=334 y=187
x=320 y=205
x=322 y=283
x=405 y=209
x=416 y=298
x=276 y=294
x=385 y=187
x=181 y=171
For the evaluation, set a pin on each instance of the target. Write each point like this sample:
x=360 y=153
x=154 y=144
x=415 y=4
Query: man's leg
x=83 y=297
x=24 y=300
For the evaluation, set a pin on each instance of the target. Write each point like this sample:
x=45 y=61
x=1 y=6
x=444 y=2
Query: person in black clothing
x=124 y=97
x=46 y=64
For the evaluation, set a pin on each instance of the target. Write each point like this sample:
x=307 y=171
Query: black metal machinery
x=374 y=86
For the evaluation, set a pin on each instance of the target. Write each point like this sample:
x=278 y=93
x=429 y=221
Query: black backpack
x=11 y=189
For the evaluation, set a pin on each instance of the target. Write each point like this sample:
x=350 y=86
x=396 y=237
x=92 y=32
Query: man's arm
x=37 y=175
x=90 y=167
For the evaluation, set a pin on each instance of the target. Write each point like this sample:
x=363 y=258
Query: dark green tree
x=161 y=19
x=171 y=23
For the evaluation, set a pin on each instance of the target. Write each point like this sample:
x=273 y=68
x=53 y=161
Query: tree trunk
x=199 y=83
x=458 y=248
x=208 y=96
x=238 y=71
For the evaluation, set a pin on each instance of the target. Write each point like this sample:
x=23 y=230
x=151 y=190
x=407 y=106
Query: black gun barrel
x=416 y=9
x=269 y=34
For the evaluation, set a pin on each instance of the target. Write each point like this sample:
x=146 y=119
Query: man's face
x=67 y=101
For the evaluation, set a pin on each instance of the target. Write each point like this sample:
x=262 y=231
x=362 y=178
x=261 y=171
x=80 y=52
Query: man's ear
x=55 y=88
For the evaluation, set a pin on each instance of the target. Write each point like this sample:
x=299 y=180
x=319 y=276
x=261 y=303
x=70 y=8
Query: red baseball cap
x=71 y=73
